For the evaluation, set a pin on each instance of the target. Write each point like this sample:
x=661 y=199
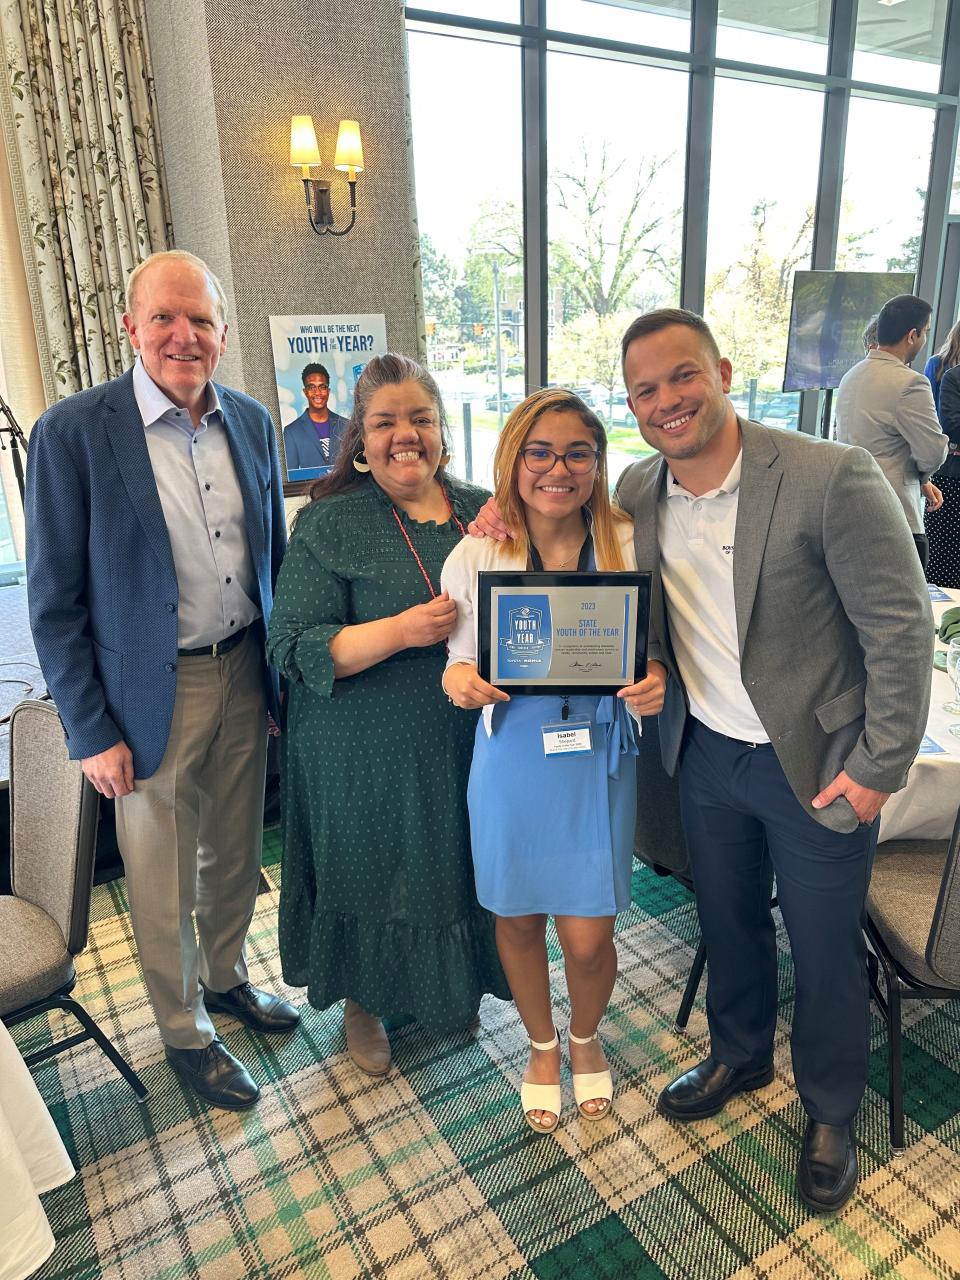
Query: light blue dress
x=553 y=834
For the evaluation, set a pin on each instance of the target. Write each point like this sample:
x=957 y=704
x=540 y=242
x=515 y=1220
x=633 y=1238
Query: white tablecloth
x=926 y=808
x=33 y=1159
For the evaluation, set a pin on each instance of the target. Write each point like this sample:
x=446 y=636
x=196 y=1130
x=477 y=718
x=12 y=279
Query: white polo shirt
x=696 y=559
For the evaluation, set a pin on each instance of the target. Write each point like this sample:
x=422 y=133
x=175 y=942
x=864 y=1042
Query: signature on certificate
x=584 y=666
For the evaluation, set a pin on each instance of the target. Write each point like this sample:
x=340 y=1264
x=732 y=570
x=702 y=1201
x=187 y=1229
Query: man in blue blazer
x=313 y=439
x=155 y=531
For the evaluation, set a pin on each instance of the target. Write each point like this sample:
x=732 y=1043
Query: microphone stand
x=18 y=441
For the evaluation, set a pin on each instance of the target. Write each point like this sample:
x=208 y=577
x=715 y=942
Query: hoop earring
x=360 y=462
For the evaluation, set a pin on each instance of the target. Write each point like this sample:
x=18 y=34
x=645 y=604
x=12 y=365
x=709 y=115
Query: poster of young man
x=317 y=360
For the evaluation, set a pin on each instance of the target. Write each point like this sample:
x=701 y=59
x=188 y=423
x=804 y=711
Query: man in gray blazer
x=797 y=629
x=887 y=408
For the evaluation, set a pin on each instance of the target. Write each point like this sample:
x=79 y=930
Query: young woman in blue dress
x=551 y=835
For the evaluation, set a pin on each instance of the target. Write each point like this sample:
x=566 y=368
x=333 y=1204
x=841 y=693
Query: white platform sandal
x=542 y=1097
x=592 y=1086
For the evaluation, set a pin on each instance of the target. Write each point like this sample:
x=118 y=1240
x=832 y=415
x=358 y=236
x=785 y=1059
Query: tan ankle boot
x=367 y=1041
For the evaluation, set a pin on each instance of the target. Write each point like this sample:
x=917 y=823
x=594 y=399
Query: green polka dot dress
x=377 y=901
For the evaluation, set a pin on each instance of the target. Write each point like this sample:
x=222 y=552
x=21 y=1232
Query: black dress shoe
x=707 y=1088
x=215 y=1075
x=827 y=1169
x=256 y=1008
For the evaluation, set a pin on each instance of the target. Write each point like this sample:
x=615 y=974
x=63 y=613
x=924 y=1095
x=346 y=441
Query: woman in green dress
x=377 y=901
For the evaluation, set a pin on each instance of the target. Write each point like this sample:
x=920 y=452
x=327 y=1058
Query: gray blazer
x=833 y=614
x=887 y=408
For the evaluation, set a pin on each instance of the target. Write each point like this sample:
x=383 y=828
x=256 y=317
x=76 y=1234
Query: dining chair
x=44 y=921
x=912 y=927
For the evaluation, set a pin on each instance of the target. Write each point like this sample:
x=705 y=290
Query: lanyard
x=413 y=550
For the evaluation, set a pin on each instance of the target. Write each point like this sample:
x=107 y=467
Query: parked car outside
x=780 y=411
x=617 y=412
x=510 y=401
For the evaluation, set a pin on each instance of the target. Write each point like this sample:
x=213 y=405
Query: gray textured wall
x=229 y=75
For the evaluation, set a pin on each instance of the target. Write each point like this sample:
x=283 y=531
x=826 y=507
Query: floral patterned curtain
x=80 y=116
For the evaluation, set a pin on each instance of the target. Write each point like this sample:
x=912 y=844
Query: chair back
x=943 y=944
x=53 y=821
x=658 y=837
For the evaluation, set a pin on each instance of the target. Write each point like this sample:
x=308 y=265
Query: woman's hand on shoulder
x=427 y=624
x=464 y=687
x=488 y=523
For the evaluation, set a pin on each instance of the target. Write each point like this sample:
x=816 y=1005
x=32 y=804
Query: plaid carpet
x=431 y=1172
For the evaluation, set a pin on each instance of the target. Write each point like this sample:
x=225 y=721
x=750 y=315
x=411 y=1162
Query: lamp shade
x=303 y=141
x=349 y=153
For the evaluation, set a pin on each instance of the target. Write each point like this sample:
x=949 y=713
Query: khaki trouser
x=190 y=837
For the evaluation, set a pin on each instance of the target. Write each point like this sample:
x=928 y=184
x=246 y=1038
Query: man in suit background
x=155 y=531
x=799 y=631
x=313 y=439
x=888 y=409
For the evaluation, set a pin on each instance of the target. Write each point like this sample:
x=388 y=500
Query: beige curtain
x=85 y=164
x=21 y=383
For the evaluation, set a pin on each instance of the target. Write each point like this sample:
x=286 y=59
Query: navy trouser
x=743 y=826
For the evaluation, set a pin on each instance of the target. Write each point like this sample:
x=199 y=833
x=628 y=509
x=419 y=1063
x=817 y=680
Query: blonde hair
x=507 y=460
x=949 y=354
x=175 y=255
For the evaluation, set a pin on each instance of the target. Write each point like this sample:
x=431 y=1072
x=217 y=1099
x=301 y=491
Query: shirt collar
x=154 y=403
x=731 y=483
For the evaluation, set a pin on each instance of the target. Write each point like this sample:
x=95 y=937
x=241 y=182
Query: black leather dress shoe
x=827 y=1169
x=256 y=1008
x=215 y=1075
x=707 y=1088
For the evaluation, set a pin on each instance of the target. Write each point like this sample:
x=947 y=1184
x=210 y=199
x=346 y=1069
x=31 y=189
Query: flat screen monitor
x=828 y=314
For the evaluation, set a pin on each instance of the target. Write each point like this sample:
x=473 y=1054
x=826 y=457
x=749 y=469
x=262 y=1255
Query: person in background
x=156 y=530
x=377 y=903
x=945 y=358
x=943 y=524
x=314 y=439
x=870 y=340
x=887 y=408
x=552 y=835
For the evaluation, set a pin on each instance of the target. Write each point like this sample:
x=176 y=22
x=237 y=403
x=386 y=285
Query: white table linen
x=926 y=808
x=33 y=1159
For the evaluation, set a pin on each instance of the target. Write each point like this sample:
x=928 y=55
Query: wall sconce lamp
x=348 y=158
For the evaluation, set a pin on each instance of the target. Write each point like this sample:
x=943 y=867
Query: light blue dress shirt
x=203 y=507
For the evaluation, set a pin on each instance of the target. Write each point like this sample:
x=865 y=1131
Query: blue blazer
x=300 y=443
x=101 y=581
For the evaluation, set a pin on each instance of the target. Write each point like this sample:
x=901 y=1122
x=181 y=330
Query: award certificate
x=563 y=632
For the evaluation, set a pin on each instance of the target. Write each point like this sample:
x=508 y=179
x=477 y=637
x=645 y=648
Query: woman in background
x=377 y=902
x=943 y=525
x=552 y=835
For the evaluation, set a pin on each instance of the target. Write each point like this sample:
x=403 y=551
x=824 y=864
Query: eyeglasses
x=540 y=460
x=316 y=386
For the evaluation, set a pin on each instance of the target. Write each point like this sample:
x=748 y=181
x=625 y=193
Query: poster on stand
x=317 y=360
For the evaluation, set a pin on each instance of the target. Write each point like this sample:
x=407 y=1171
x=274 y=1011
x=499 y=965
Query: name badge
x=567 y=738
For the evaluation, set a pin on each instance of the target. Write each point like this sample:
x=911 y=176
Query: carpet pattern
x=431 y=1173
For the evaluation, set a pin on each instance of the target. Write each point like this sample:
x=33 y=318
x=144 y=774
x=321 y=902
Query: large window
x=469 y=200
x=595 y=143
x=777 y=33
x=662 y=23
x=760 y=231
x=900 y=43
x=882 y=216
x=615 y=196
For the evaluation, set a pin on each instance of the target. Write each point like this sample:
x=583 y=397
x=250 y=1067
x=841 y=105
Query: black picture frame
x=522 y=580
